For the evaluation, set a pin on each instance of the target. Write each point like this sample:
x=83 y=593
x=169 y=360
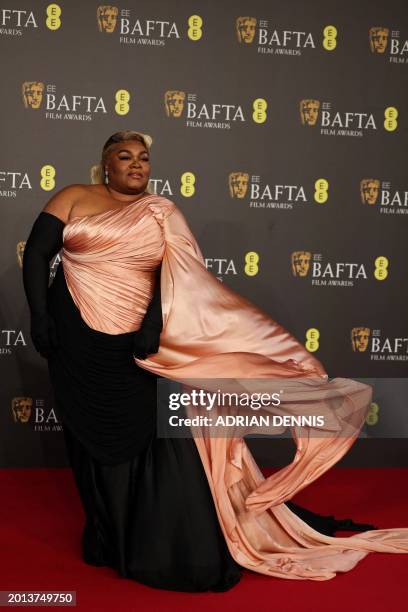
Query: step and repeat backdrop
x=279 y=129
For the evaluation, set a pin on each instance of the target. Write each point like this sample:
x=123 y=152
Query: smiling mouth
x=135 y=174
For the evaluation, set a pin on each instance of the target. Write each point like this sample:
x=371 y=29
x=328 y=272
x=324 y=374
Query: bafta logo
x=359 y=338
x=245 y=28
x=369 y=189
x=20 y=252
x=301 y=263
x=309 y=111
x=21 y=409
x=106 y=17
x=32 y=94
x=238 y=184
x=174 y=102
x=378 y=39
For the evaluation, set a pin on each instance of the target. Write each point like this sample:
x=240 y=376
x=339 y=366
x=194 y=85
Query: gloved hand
x=146 y=341
x=44 y=334
x=147 y=338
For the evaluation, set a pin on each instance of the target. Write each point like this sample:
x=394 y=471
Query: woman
x=131 y=301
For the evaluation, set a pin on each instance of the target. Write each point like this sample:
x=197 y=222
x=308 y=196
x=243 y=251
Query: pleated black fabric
x=104 y=398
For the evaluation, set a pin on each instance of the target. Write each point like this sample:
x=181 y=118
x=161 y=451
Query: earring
x=106 y=177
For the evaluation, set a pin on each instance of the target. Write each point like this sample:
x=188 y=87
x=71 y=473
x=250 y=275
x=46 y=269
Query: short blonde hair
x=98 y=172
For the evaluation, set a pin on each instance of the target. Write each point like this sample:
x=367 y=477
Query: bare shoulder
x=62 y=202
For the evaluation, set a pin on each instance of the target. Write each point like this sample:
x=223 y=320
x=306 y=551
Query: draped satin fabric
x=211 y=332
x=109 y=262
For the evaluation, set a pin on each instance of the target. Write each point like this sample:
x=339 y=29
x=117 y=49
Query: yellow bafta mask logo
x=238 y=184
x=20 y=252
x=301 y=263
x=32 y=93
x=309 y=111
x=21 y=409
x=369 y=189
x=359 y=338
x=174 y=102
x=378 y=39
x=107 y=16
x=245 y=28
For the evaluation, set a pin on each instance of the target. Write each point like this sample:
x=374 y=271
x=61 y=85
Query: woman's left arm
x=147 y=338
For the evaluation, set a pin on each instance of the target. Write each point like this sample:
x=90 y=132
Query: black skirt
x=148 y=506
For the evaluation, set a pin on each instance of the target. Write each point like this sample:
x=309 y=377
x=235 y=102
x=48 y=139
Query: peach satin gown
x=211 y=332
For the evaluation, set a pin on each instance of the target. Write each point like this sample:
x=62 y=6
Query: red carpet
x=41 y=521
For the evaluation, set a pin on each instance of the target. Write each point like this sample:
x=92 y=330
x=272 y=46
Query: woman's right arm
x=45 y=241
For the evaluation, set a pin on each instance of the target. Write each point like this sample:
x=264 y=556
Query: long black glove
x=44 y=241
x=147 y=338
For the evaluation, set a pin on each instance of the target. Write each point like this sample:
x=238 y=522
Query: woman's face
x=128 y=167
